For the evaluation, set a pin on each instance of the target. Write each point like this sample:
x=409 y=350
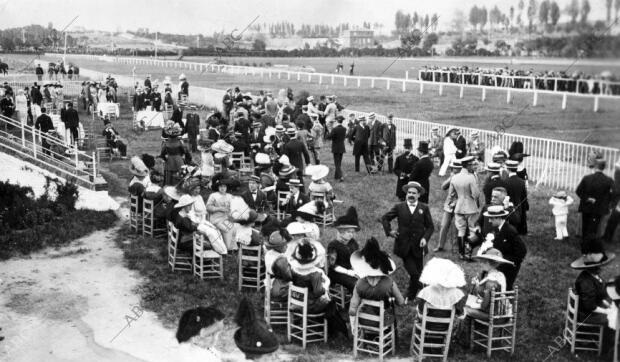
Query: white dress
x=449 y=151
x=21 y=106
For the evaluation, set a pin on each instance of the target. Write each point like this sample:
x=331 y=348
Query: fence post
x=440 y=89
x=289 y=75
x=332 y=79
x=462 y=91
x=309 y=77
x=564 y=98
x=34 y=143
x=359 y=82
x=433 y=75
x=484 y=94
x=372 y=83
x=298 y=76
x=387 y=86
x=421 y=87
x=535 y=102
x=407 y=75
x=508 y=98
x=344 y=81
x=94 y=167
x=320 y=78
x=404 y=86
x=279 y=75
x=75 y=149
x=555 y=85
x=596 y=103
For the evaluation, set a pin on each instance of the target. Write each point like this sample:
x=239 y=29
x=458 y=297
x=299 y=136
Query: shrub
x=68 y=194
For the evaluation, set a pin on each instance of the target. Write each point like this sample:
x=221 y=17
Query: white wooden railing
x=554 y=163
x=348 y=80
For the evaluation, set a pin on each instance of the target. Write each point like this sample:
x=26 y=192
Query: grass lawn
x=576 y=124
x=543 y=280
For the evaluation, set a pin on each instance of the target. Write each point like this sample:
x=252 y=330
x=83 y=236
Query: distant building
x=358 y=38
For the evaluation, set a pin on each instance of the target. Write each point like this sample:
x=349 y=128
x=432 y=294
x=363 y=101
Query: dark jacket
x=44 y=123
x=36 y=95
x=403 y=165
x=461 y=147
x=591 y=292
x=360 y=139
x=420 y=173
x=411 y=228
x=193 y=124
x=491 y=183
x=376 y=133
x=338 y=135
x=260 y=205
x=507 y=241
x=292 y=206
x=71 y=118
x=517 y=192
x=295 y=150
x=598 y=186
x=389 y=136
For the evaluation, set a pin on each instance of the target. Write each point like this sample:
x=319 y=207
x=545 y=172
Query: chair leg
x=600 y=341
x=288 y=326
x=324 y=330
x=304 y=331
x=472 y=328
x=489 y=340
x=355 y=338
x=381 y=341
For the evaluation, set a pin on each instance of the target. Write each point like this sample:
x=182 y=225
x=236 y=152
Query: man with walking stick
x=415 y=227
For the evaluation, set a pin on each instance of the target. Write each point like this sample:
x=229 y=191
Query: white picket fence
x=553 y=163
x=353 y=81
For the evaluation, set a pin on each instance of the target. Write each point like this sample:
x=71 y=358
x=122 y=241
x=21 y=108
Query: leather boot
x=461 y=242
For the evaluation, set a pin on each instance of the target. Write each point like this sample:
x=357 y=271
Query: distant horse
x=4 y=68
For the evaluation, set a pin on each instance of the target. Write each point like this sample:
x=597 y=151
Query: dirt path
x=69 y=304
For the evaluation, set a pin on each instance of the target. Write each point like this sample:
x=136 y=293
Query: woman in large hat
x=253 y=337
x=219 y=208
x=443 y=280
x=449 y=150
x=374 y=267
x=174 y=153
x=318 y=184
x=340 y=249
x=306 y=273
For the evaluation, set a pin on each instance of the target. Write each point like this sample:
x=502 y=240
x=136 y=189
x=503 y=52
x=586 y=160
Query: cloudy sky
x=206 y=16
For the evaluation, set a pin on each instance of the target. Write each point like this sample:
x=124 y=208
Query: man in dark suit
x=402 y=168
x=422 y=169
x=494 y=180
x=415 y=227
x=295 y=150
x=254 y=197
x=507 y=240
x=517 y=191
x=192 y=125
x=375 y=137
x=498 y=198
x=461 y=145
x=72 y=121
x=595 y=192
x=360 y=135
x=337 y=135
x=44 y=124
x=295 y=198
x=389 y=137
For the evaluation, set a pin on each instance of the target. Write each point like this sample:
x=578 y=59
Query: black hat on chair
x=253 y=337
x=348 y=220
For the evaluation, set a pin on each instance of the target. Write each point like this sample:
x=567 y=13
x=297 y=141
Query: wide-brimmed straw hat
x=411 y=184
x=172 y=192
x=222 y=146
x=138 y=168
x=184 y=201
x=304 y=257
x=371 y=261
x=560 y=194
x=493 y=167
x=299 y=228
x=310 y=210
x=317 y=172
x=593 y=260
x=443 y=272
x=172 y=129
x=493 y=254
x=262 y=159
x=287 y=170
x=495 y=211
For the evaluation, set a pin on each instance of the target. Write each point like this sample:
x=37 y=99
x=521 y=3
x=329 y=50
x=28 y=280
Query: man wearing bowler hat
x=517 y=191
x=464 y=193
x=402 y=168
x=415 y=227
x=423 y=169
x=297 y=152
x=338 y=135
x=389 y=136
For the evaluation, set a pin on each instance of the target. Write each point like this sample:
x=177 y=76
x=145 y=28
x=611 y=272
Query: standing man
x=376 y=133
x=147 y=81
x=403 y=167
x=295 y=150
x=517 y=191
x=360 y=135
x=44 y=124
x=389 y=137
x=184 y=86
x=464 y=194
x=423 y=169
x=415 y=227
x=595 y=192
x=330 y=112
x=72 y=121
x=39 y=72
x=494 y=180
x=192 y=126
x=338 y=135
x=461 y=145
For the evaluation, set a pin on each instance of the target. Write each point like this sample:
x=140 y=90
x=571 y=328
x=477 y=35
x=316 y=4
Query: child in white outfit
x=560 y=202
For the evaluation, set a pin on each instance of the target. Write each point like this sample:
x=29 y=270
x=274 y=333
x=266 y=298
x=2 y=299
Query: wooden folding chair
x=103 y=150
x=251 y=267
x=276 y=313
x=151 y=226
x=302 y=326
x=281 y=214
x=580 y=335
x=329 y=215
x=371 y=334
x=208 y=264
x=499 y=331
x=177 y=260
x=135 y=214
x=339 y=294
x=432 y=333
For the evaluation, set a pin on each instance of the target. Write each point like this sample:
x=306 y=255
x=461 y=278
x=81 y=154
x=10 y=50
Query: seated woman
x=300 y=232
x=339 y=250
x=277 y=265
x=140 y=180
x=253 y=337
x=491 y=280
x=307 y=214
x=187 y=223
x=442 y=278
x=198 y=333
x=593 y=300
x=243 y=229
x=170 y=197
x=306 y=274
x=218 y=206
x=318 y=184
x=374 y=267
